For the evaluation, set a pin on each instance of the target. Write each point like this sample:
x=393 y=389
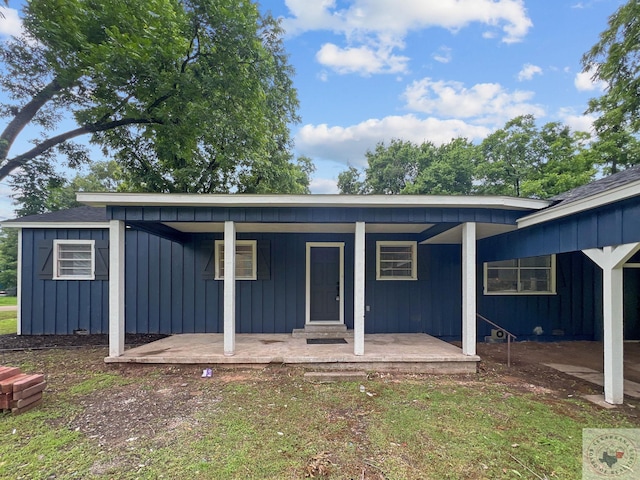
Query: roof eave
x=597 y=200
x=325 y=201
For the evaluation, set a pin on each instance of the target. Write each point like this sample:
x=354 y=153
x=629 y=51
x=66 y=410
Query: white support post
x=469 y=288
x=359 y=290
x=611 y=260
x=116 y=288
x=229 y=288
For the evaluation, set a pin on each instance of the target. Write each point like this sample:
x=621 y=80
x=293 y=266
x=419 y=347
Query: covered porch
x=416 y=352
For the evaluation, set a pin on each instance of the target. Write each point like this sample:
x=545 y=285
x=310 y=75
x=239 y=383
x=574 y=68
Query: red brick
x=5 y=400
x=27 y=392
x=24 y=402
x=6 y=385
x=6 y=372
x=27 y=382
x=18 y=411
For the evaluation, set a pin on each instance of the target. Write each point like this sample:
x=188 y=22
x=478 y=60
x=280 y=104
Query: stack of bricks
x=20 y=392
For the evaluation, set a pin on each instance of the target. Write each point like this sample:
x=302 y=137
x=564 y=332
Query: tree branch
x=42 y=147
x=25 y=115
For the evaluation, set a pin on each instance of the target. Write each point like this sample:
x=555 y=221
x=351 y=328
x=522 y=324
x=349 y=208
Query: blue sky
x=372 y=70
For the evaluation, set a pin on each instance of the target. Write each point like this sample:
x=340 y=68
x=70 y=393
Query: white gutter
x=351 y=201
x=603 y=198
x=75 y=224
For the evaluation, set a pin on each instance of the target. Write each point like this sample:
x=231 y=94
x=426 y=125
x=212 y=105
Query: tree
x=523 y=160
x=187 y=95
x=8 y=258
x=615 y=59
x=349 y=182
x=40 y=194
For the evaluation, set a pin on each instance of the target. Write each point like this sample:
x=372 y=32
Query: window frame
x=518 y=269
x=254 y=259
x=414 y=259
x=56 y=252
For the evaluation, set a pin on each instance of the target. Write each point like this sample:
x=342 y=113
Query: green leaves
x=187 y=96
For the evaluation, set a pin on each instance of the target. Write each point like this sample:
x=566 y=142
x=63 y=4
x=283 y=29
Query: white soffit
x=453 y=236
x=348 y=201
x=203 y=227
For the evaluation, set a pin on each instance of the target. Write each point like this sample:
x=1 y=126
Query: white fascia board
x=55 y=225
x=588 y=203
x=353 y=201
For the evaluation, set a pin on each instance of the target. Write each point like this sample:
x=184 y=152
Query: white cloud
x=584 y=81
x=402 y=16
x=11 y=24
x=374 y=29
x=363 y=60
x=528 y=71
x=577 y=122
x=487 y=103
x=348 y=144
x=324 y=185
x=443 y=55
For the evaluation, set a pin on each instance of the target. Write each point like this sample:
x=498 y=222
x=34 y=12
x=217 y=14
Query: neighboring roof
x=85 y=216
x=630 y=175
x=349 y=201
x=614 y=188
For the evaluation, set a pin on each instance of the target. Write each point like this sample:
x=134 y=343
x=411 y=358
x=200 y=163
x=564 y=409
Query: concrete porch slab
x=632 y=389
x=387 y=352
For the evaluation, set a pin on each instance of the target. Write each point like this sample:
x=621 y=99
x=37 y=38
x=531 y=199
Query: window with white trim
x=246 y=268
x=74 y=259
x=396 y=260
x=524 y=276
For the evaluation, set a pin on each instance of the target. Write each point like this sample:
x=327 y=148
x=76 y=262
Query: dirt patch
x=24 y=342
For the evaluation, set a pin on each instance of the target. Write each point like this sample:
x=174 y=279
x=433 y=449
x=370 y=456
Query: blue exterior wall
x=613 y=224
x=167 y=293
x=61 y=306
x=576 y=308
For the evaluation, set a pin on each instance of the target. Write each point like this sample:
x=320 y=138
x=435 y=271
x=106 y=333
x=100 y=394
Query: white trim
x=19 y=284
x=469 y=321
x=104 y=225
x=353 y=201
x=609 y=196
x=552 y=267
x=631 y=265
x=116 y=288
x=359 y=281
x=229 y=289
x=309 y=246
x=254 y=259
x=56 y=252
x=414 y=259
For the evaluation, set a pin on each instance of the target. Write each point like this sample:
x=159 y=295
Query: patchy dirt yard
x=129 y=412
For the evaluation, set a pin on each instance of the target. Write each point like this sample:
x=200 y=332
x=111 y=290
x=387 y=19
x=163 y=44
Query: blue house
x=566 y=268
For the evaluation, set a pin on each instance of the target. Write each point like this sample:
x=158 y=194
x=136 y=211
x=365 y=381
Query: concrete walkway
x=388 y=352
x=631 y=389
x=8 y=308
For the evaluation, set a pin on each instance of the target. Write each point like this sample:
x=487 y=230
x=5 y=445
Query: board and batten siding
x=61 y=306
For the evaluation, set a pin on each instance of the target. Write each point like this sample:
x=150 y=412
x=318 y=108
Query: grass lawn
x=8 y=322
x=6 y=301
x=149 y=422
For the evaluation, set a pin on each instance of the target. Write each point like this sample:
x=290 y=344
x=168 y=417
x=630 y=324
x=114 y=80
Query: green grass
x=8 y=301
x=8 y=323
x=273 y=425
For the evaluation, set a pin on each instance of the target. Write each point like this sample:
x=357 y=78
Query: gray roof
x=619 y=179
x=78 y=214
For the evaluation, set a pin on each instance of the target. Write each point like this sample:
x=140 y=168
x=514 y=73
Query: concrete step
x=322 y=331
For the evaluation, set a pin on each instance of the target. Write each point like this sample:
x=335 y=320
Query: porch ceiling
x=207 y=227
x=483 y=230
